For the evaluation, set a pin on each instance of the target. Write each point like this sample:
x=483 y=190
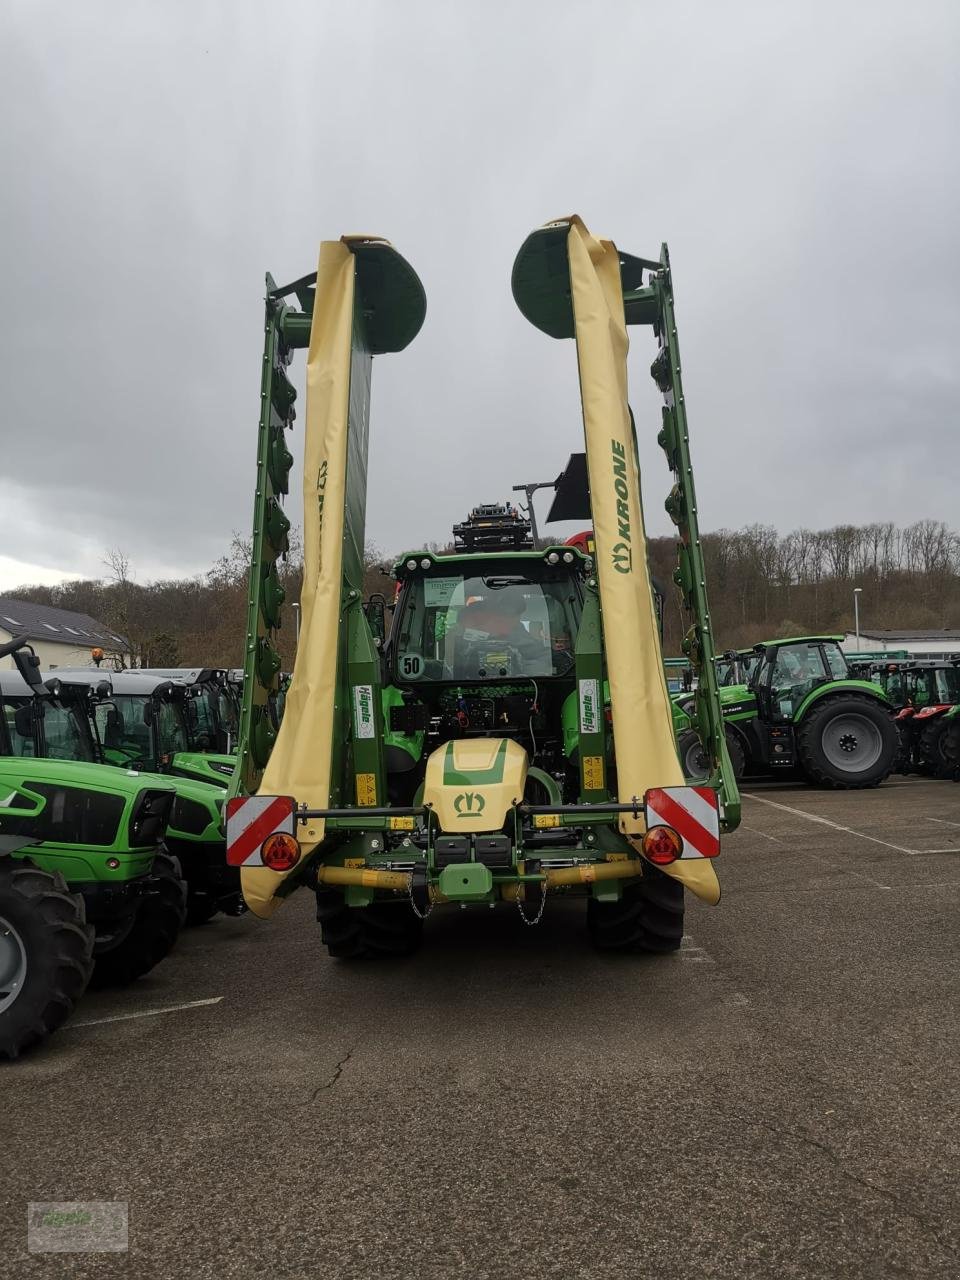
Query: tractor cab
x=785 y=672
x=48 y=721
x=482 y=646
x=212 y=709
x=145 y=721
x=736 y=667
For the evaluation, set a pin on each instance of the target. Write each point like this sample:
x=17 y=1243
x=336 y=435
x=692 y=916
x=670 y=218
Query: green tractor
x=87 y=889
x=925 y=694
x=141 y=721
x=212 y=712
x=154 y=721
x=801 y=709
x=466 y=756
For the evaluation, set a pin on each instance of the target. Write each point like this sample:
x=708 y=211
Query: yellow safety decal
x=546 y=820
x=366 y=789
x=618 y=857
x=354 y=862
x=593 y=773
x=401 y=824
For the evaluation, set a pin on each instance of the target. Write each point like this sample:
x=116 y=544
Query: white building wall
x=936 y=646
x=52 y=654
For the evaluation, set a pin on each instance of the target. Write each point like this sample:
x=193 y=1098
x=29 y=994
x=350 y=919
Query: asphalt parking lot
x=778 y=1099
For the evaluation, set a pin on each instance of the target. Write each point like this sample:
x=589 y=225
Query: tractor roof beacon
x=801 y=708
x=466 y=758
x=85 y=886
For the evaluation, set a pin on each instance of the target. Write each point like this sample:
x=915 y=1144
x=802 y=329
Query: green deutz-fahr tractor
x=926 y=696
x=801 y=708
x=86 y=887
x=212 y=712
x=138 y=720
x=152 y=720
x=465 y=758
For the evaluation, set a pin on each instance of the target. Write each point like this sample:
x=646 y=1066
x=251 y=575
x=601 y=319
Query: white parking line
x=943 y=821
x=812 y=817
x=144 y=1013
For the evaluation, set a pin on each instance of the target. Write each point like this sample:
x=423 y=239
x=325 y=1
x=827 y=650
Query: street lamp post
x=296 y=606
x=856 y=614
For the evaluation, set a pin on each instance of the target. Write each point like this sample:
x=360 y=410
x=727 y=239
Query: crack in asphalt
x=337 y=1073
x=892 y=1196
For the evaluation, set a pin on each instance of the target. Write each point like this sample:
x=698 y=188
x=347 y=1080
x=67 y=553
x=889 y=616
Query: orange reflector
x=280 y=851
x=662 y=845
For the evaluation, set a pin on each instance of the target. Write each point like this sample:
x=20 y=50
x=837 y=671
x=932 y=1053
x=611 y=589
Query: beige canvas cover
x=299 y=764
x=642 y=719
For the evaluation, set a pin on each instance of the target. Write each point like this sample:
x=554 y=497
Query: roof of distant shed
x=62 y=626
x=925 y=633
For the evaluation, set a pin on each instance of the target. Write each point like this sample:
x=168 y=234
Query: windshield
x=20 y=728
x=124 y=725
x=948 y=685
x=124 y=729
x=738 y=670
x=486 y=628
x=66 y=734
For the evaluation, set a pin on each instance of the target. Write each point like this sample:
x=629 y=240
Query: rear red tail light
x=662 y=845
x=280 y=852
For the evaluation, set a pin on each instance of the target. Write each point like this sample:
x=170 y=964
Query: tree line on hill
x=761 y=584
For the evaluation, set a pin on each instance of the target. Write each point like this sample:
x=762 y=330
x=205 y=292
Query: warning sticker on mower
x=363 y=710
x=589 y=710
x=593 y=773
x=366 y=789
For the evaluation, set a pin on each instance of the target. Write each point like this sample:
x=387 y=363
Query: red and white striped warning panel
x=250 y=819
x=693 y=814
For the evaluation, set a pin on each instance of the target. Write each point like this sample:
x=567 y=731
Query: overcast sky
x=800 y=159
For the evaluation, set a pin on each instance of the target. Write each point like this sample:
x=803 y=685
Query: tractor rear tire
x=694 y=760
x=648 y=917
x=950 y=748
x=383 y=930
x=46 y=954
x=848 y=742
x=931 y=752
x=160 y=916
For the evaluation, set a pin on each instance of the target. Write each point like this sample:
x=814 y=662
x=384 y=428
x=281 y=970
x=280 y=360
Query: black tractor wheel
x=46 y=953
x=848 y=742
x=693 y=758
x=648 y=917
x=159 y=918
x=382 y=930
x=931 y=754
x=950 y=748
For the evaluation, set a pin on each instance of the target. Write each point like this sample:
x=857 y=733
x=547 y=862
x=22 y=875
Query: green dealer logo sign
x=363 y=710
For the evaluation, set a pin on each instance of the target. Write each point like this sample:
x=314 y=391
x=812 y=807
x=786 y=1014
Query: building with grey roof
x=60 y=637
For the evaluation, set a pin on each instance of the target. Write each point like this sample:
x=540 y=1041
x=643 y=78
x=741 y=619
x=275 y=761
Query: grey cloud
x=800 y=161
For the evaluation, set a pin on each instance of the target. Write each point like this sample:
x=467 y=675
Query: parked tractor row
x=111 y=832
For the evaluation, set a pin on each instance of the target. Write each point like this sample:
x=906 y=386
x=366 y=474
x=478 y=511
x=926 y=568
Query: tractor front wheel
x=848 y=742
x=383 y=930
x=159 y=918
x=46 y=953
x=648 y=917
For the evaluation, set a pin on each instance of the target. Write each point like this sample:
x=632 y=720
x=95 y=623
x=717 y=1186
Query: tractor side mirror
x=376 y=611
x=28 y=664
x=23 y=720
